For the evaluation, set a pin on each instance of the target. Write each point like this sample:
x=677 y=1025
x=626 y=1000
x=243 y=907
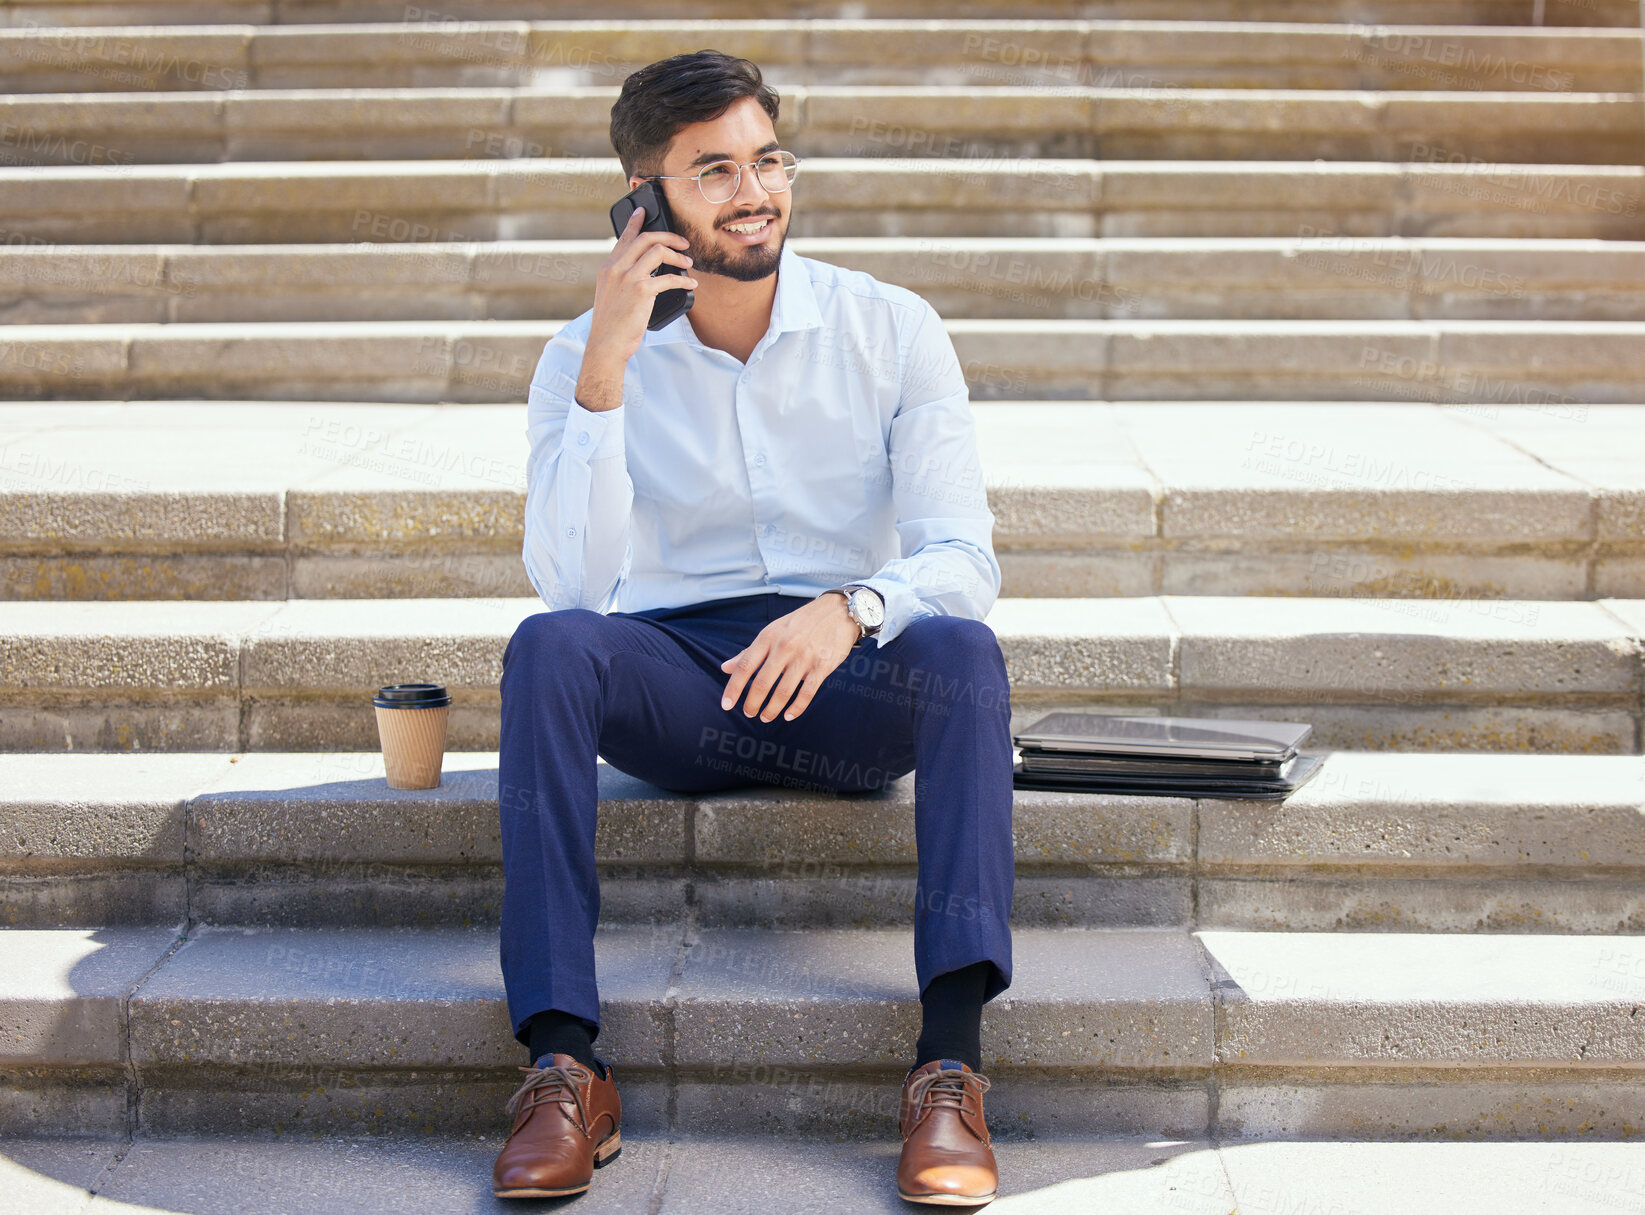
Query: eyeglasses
x=721 y=180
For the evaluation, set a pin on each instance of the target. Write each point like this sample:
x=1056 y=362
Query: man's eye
x=715 y=171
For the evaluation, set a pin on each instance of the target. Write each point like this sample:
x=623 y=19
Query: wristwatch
x=864 y=605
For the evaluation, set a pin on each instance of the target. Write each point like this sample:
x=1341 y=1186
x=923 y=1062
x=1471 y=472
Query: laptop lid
x=1194 y=737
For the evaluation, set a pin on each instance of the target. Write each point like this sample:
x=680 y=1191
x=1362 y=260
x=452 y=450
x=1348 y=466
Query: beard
x=745 y=263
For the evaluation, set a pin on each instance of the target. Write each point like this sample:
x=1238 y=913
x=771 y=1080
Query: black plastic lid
x=412 y=696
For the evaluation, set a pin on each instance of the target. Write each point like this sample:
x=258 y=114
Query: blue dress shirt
x=843 y=451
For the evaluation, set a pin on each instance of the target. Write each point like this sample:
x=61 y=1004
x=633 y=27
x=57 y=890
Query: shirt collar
x=793 y=307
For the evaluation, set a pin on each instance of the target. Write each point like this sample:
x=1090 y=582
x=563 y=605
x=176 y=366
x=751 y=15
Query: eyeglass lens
x=719 y=181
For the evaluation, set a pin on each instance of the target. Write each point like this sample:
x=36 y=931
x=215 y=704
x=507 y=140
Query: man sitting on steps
x=779 y=496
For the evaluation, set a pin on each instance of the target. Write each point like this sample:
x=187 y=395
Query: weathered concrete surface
x=97 y=843
x=1131 y=1001
x=494 y=198
x=699 y=1170
x=62 y=992
x=1387 y=499
x=337 y=997
x=491 y=361
x=1568 y=1107
x=1430 y=811
x=1323 y=999
x=1312 y=275
x=101 y=807
x=338 y=808
x=1378 y=841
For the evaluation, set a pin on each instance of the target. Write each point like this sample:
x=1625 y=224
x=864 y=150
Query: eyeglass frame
x=736 y=185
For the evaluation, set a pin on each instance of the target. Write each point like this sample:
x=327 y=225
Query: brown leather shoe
x=947 y=1156
x=567 y=1123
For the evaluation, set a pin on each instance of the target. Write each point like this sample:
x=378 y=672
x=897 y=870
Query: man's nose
x=750 y=185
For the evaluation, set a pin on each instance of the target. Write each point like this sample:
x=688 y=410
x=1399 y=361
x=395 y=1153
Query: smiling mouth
x=765 y=223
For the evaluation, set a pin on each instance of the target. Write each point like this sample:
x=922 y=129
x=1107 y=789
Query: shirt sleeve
x=944 y=524
x=579 y=496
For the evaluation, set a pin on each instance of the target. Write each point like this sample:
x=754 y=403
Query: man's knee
x=958 y=660
x=955 y=641
x=558 y=633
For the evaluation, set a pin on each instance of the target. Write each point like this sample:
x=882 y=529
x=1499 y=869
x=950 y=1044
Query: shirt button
x=571 y=531
x=760 y=460
x=582 y=439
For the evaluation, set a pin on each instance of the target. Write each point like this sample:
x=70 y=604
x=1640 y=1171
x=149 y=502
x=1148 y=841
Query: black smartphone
x=648 y=194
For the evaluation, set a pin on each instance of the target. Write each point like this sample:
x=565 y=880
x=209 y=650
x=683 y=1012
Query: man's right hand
x=624 y=292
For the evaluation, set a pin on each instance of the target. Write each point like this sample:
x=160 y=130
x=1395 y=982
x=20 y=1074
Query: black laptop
x=1164 y=756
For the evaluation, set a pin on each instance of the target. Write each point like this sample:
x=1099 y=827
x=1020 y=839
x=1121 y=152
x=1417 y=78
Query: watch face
x=868 y=608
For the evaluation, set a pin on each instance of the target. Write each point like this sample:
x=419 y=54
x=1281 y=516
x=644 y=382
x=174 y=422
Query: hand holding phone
x=632 y=289
x=649 y=197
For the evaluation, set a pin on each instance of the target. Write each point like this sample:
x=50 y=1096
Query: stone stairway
x=1304 y=342
x=334 y=500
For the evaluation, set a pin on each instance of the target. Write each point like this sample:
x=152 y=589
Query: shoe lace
x=945 y=1087
x=544 y=1085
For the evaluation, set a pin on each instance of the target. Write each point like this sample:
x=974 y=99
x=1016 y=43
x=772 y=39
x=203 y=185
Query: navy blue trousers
x=642 y=689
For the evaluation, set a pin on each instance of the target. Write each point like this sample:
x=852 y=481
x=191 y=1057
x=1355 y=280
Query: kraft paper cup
x=411 y=722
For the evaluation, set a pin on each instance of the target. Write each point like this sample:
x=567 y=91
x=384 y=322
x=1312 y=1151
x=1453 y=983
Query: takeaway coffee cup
x=411 y=722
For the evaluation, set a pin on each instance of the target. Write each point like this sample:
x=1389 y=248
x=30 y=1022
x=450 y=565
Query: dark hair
x=672 y=93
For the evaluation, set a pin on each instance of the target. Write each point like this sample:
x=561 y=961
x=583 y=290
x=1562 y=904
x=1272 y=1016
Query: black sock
x=952 y=1010
x=555 y=1032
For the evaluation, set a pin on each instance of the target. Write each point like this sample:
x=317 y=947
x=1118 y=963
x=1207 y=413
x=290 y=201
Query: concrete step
x=1399 y=674
x=276 y=500
x=34 y=13
x=1129 y=1031
x=1555 y=364
x=970 y=52
x=695 y=1169
x=1378 y=841
x=864 y=121
x=1323 y=276
x=501 y=193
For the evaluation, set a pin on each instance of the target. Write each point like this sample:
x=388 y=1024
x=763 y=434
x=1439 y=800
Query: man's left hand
x=795 y=652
